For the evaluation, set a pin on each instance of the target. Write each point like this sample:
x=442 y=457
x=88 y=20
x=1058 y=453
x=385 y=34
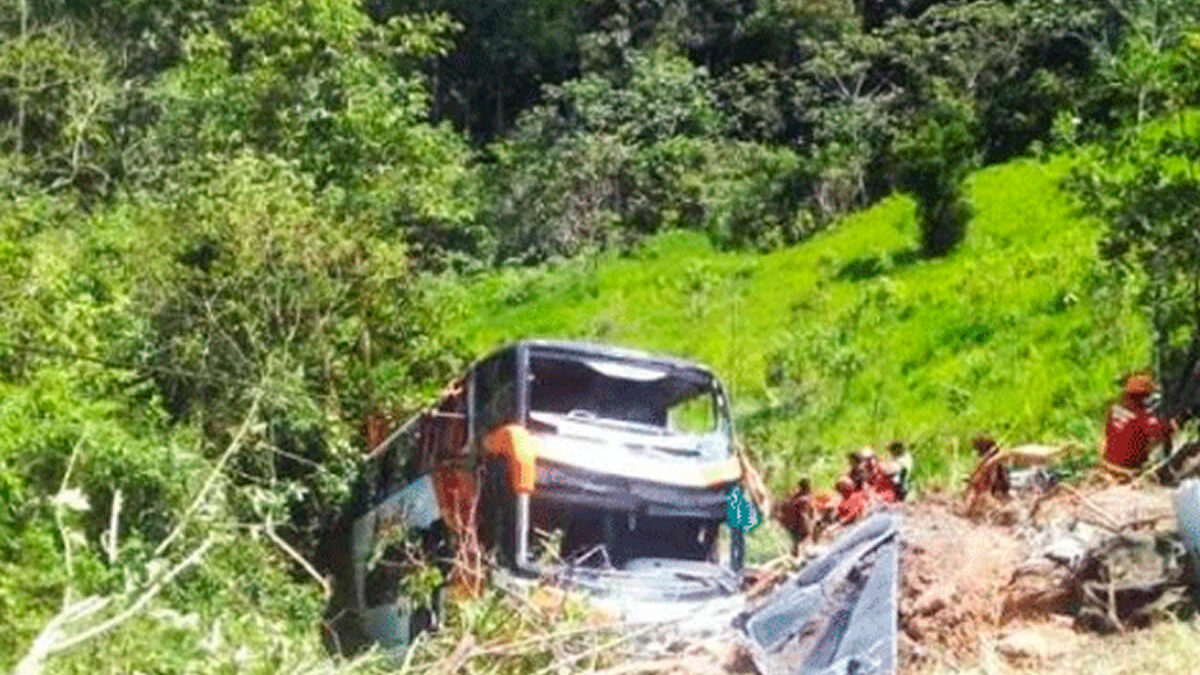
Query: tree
x=1152 y=236
x=576 y=173
x=851 y=119
x=318 y=83
x=1148 y=195
x=932 y=161
x=1139 y=69
x=57 y=100
x=275 y=293
x=506 y=52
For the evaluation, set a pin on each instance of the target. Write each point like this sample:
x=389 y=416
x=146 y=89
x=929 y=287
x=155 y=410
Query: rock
x=911 y=650
x=933 y=600
x=1035 y=644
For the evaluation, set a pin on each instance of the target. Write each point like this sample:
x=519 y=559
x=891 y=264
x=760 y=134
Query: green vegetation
x=229 y=231
x=1148 y=196
x=855 y=337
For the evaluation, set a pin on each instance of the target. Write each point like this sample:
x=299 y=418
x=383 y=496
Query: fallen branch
x=412 y=650
x=53 y=639
x=198 y=501
x=1136 y=523
x=522 y=645
x=563 y=663
x=1151 y=473
x=462 y=654
x=1092 y=506
x=660 y=665
x=532 y=612
x=139 y=604
x=300 y=560
x=31 y=663
x=516 y=648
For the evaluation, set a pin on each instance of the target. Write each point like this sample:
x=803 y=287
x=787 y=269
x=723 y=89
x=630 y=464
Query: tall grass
x=853 y=337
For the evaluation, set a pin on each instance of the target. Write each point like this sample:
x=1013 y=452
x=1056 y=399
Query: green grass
x=852 y=337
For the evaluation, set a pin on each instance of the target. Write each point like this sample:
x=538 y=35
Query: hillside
x=852 y=337
x=235 y=235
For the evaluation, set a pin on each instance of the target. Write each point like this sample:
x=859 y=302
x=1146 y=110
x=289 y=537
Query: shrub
x=932 y=161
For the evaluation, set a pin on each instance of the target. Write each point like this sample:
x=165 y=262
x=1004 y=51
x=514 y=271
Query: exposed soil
x=952 y=572
x=956 y=573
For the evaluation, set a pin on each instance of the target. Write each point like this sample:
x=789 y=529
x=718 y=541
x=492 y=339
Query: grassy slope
x=1017 y=332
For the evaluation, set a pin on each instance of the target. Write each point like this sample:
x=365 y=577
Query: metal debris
x=838 y=614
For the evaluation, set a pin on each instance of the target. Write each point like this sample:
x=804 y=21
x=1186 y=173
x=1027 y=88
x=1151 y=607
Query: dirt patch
x=953 y=570
x=957 y=572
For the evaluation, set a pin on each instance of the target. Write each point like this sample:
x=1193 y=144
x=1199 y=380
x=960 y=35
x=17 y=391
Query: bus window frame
x=516 y=415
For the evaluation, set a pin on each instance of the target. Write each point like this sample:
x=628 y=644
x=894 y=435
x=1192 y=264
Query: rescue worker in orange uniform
x=798 y=514
x=853 y=503
x=877 y=481
x=1132 y=429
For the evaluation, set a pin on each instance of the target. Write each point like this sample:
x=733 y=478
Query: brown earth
x=952 y=572
x=957 y=572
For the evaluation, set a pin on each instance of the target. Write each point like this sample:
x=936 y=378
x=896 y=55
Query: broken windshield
x=645 y=397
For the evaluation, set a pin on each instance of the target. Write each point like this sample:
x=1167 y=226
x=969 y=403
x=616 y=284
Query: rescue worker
x=853 y=503
x=875 y=479
x=901 y=468
x=991 y=475
x=857 y=472
x=824 y=503
x=1132 y=429
x=798 y=514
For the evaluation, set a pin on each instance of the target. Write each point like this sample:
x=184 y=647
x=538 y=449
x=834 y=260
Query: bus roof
x=586 y=349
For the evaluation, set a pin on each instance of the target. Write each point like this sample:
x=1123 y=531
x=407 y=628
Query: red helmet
x=1139 y=385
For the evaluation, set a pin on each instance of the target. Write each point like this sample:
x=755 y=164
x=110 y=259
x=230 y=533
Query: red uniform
x=797 y=515
x=852 y=506
x=1130 y=433
x=883 y=487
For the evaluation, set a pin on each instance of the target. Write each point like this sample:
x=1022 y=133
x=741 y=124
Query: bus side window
x=396 y=464
x=452 y=414
x=495 y=392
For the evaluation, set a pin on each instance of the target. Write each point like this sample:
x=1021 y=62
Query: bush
x=274 y=295
x=932 y=161
x=740 y=193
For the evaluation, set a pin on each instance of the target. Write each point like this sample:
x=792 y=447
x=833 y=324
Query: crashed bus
x=627 y=457
x=606 y=470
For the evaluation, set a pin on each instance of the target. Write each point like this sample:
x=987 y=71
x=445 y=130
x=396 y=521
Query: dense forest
x=228 y=227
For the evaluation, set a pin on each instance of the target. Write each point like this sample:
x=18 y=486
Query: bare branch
x=58 y=519
x=31 y=663
x=199 y=500
x=300 y=560
x=137 y=605
x=54 y=639
x=111 y=539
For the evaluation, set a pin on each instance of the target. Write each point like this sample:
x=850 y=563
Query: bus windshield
x=647 y=397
